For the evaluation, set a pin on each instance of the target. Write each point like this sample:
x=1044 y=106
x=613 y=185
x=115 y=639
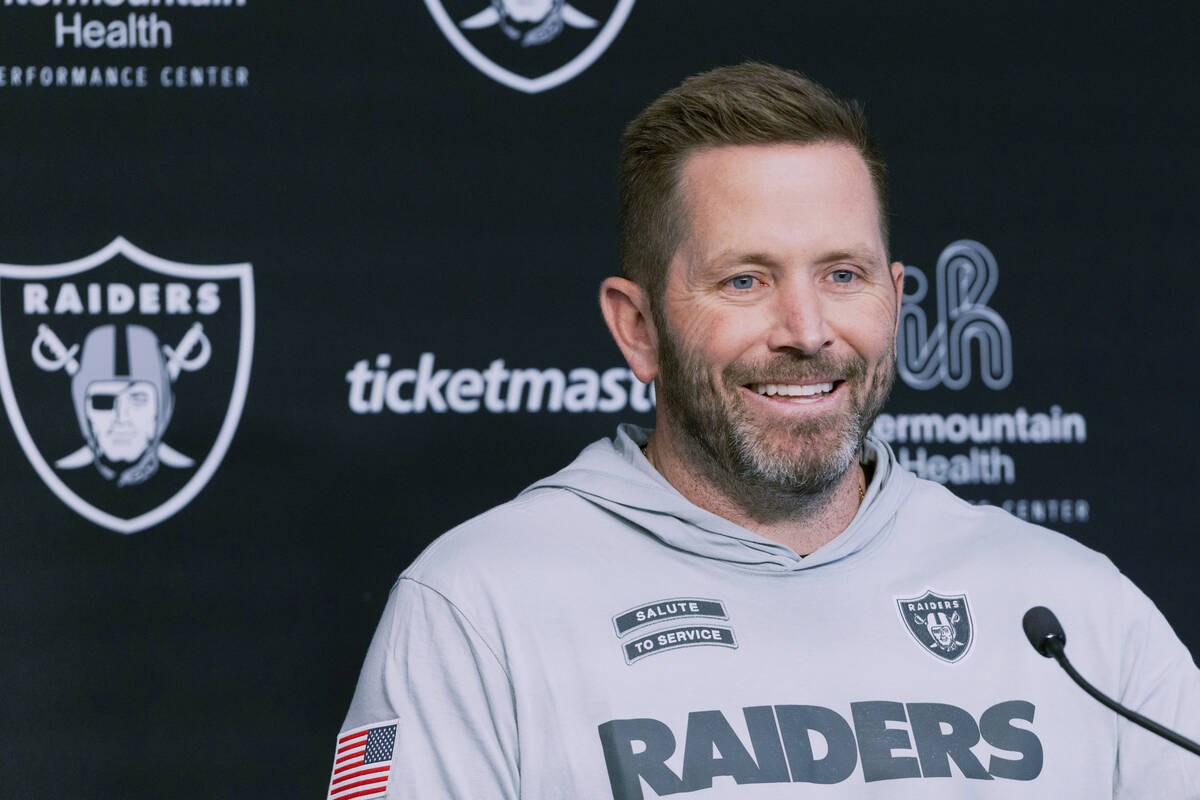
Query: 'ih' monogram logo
x=966 y=277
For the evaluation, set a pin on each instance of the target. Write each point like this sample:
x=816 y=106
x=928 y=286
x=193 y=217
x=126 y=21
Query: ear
x=898 y=283
x=626 y=309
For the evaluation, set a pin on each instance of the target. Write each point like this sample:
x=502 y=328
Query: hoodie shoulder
x=935 y=511
x=529 y=531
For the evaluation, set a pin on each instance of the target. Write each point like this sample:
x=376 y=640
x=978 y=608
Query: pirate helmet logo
x=530 y=22
x=941 y=624
x=122 y=379
x=941 y=629
x=541 y=43
x=123 y=412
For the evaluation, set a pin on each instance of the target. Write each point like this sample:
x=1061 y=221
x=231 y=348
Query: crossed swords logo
x=51 y=355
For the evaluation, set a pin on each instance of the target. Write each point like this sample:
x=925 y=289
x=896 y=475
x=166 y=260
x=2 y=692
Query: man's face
x=944 y=634
x=779 y=344
x=123 y=416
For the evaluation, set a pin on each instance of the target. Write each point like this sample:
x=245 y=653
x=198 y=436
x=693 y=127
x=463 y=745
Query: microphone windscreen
x=1042 y=628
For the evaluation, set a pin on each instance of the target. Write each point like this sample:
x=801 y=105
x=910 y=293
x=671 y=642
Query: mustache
x=796 y=369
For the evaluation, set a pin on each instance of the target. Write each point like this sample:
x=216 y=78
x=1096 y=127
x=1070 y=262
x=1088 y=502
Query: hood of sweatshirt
x=615 y=475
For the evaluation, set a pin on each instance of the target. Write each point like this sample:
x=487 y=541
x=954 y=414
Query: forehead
x=118 y=387
x=794 y=197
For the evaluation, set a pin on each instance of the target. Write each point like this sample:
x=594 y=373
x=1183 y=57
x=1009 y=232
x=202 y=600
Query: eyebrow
x=730 y=257
x=854 y=254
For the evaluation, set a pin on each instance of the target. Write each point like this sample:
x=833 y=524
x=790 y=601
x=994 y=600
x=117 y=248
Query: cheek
x=99 y=418
x=722 y=339
x=869 y=327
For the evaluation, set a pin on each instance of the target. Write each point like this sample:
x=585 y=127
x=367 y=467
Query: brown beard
x=736 y=455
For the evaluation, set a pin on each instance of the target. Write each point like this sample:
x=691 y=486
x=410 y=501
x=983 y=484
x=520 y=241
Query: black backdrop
x=393 y=199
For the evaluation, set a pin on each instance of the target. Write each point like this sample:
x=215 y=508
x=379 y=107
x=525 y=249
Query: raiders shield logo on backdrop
x=530 y=45
x=124 y=376
x=940 y=623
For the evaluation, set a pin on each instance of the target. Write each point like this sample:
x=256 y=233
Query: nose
x=121 y=408
x=801 y=320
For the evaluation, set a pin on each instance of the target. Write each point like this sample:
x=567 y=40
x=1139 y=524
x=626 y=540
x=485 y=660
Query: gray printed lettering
x=795 y=722
x=625 y=766
x=935 y=748
x=781 y=746
x=996 y=727
x=876 y=741
x=764 y=740
x=708 y=731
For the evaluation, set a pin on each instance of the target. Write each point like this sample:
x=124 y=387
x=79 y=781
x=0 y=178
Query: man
x=757 y=594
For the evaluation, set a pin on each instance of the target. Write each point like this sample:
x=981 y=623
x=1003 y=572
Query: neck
x=801 y=521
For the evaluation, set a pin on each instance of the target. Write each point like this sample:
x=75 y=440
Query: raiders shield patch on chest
x=940 y=623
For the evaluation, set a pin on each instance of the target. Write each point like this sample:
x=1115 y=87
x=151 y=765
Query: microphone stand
x=1055 y=647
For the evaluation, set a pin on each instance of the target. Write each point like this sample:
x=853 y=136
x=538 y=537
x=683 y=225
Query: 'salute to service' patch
x=661 y=610
x=660 y=613
x=673 y=638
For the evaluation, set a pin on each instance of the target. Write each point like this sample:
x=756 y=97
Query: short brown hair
x=747 y=104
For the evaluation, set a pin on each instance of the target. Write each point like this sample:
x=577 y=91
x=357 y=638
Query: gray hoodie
x=601 y=637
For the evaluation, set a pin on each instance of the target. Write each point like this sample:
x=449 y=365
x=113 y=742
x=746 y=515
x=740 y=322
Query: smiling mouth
x=807 y=390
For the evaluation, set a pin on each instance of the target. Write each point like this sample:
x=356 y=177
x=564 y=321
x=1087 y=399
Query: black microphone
x=1046 y=635
x=1043 y=631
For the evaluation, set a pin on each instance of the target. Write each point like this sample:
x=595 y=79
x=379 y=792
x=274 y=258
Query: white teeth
x=791 y=389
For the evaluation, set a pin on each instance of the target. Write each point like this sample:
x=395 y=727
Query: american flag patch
x=362 y=763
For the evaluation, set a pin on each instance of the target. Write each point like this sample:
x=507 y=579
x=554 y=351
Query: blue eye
x=843 y=276
x=741 y=282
